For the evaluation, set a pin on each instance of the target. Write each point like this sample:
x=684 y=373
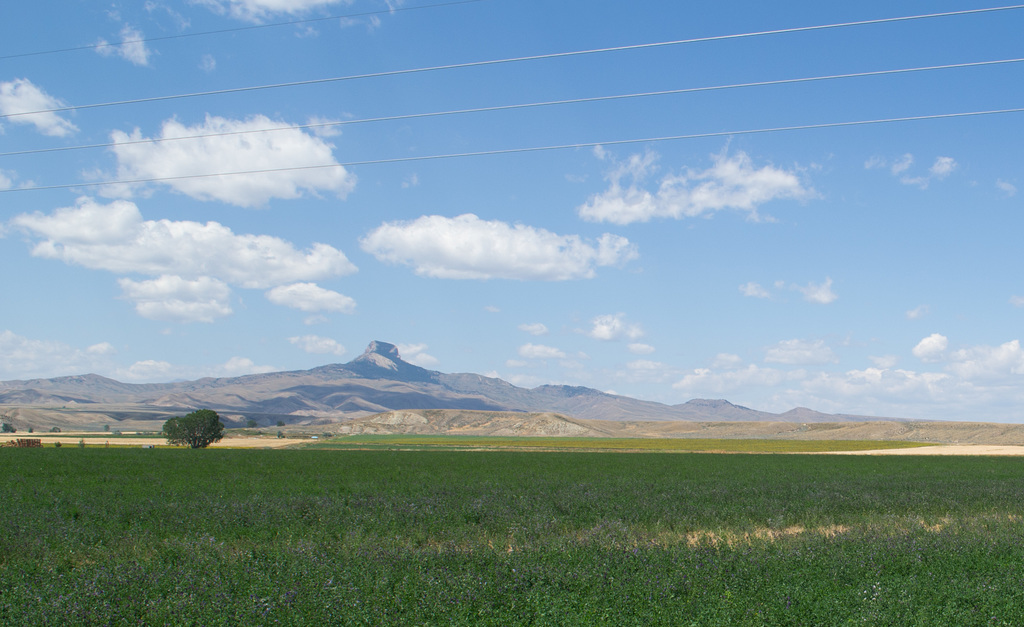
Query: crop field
x=295 y=537
x=710 y=445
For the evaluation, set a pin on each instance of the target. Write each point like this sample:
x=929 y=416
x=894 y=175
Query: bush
x=8 y=428
x=55 y=430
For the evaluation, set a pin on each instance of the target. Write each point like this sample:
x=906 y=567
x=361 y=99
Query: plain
x=131 y=536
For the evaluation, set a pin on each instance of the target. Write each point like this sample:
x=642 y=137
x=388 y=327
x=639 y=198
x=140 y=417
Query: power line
x=409 y=116
x=555 y=55
x=234 y=30
x=507 y=151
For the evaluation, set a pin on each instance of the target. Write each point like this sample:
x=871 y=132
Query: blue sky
x=856 y=268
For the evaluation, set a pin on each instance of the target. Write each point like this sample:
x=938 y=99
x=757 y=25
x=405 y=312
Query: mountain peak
x=382 y=360
x=381 y=355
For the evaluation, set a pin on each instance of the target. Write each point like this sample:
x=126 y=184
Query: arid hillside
x=455 y=422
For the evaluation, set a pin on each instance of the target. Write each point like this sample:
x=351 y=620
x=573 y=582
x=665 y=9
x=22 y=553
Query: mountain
x=377 y=381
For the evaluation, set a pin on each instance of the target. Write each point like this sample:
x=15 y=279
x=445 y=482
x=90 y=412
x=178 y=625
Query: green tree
x=199 y=429
x=8 y=428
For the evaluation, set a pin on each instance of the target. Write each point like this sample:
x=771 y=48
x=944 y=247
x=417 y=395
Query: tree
x=199 y=429
x=8 y=428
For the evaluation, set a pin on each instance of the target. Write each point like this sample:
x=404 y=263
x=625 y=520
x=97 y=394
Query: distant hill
x=377 y=381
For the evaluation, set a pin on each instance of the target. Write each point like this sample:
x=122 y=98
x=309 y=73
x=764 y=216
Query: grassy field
x=717 y=445
x=295 y=537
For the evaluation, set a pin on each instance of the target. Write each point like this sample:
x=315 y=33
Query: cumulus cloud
x=640 y=349
x=310 y=297
x=115 y=237
x=260 y=10
x=988 y=362
x=466 y=247
x=132 y=47
x=613 y=327
x=277 y=158
x=174 y=299
x=730 y=183
x=317 y=345
x=1017 y=301
x=1008 y=189
x=20 y=96
x=416 y=354
x=800 y=352
x=194 y=263
x=29 y=358
x=534 y=329
x=931 y=348
x=539 y=351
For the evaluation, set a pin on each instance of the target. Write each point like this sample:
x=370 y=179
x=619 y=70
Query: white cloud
x=466 y=247
x=800 y=352
x=20 y=96
x=645 y=365
x=147 y=370
x=6 y=179
x=940 y=169
x=885 y=361
x=902 y=164
x=318 y=345
x=259 y=10
x=731 y=183
x=1009 y=189
x=233 y=146
x=988 y=362
x=237 y=367
x=754 y=290
x=516 y=363
x=174 y=299
x=416 y=354
x=931 y=348
x=724 y=361
x=114 y=237
x=103 y=348
x=706 y=381
x=534 y=329
x=1017 y=301
x=640 y=349
x=28 y=358
x=132 y=47
x=613 y=327
x=208 y=63
x=539 y=351
x=820 y=293
x=918 y=312
x=310 y=297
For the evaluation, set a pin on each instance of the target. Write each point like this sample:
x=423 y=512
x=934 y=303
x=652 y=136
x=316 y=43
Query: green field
x=295 y=537
x=706 y=445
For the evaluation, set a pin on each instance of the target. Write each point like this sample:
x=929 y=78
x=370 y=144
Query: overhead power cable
x=538 y=57
x=234 y=29
x=409 y=116
x=507 y=151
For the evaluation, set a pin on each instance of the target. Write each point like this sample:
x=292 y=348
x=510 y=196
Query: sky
x=797 y=204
